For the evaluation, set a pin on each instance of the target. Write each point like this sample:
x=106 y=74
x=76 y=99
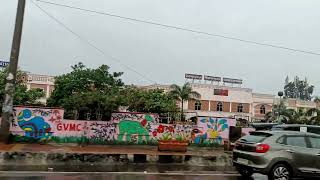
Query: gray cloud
x=164 y=55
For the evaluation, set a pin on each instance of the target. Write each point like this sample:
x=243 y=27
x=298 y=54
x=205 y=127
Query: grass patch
x=67 y=139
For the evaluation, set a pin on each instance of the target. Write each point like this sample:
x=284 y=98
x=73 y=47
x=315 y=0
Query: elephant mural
x=128 y=128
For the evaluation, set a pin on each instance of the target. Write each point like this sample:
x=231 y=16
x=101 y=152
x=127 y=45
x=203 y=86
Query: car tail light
x=262 y=148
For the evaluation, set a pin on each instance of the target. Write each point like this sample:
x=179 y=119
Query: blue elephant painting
x=34 y=126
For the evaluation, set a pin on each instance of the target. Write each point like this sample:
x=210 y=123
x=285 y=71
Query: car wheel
x=245 y=172
x=280 y=172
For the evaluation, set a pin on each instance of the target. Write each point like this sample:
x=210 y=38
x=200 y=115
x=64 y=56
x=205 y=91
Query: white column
x=28 y=86
x=48 y=91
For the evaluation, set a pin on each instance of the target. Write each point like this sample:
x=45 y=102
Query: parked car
x=297 y=127
x=278 y=154
x=262 y=126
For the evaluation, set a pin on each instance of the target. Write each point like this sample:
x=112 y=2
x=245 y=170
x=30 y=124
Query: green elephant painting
x=127 y=128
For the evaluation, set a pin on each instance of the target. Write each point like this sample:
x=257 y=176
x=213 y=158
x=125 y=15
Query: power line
x=90 y=43
x=182 y=28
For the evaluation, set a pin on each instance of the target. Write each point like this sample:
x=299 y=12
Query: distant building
x=234 y=102
x=44 y=82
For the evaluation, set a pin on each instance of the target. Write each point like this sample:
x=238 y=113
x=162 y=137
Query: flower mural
x=160 y=128
x=211 y=130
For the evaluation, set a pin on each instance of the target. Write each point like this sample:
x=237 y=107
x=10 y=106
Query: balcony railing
x=40 y=78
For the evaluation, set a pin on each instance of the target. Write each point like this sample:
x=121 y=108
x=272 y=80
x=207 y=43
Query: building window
x=262 y=109
x=219 y=106
x=197 y=106
x=240 y=107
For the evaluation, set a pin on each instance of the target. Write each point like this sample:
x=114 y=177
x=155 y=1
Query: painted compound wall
x=124 y=128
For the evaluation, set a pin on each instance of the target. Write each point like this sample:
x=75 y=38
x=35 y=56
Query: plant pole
x=7 y=108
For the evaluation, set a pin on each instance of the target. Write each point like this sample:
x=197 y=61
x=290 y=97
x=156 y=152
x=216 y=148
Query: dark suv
x=278 y=154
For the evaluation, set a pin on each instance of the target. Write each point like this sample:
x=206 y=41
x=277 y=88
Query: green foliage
x=149 y=101
x=183 y=93
x=317 y=99
x=181 y=137
x=166 y=137
x=22 y=96
x=70 y=139
x=116 y=142
x=298 y=89
x=207 y=143
x=88 y=90
x=281 y=114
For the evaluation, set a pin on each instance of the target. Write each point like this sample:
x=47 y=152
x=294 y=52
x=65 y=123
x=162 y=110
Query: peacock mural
x=34 y=126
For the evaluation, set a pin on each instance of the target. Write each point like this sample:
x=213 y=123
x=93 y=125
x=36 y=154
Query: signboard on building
x=221 y=92
x=3 y=64
x=193 y=76
x=232 y=81
x=212 y=78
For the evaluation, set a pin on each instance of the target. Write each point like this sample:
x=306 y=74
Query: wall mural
x=159 y=131
x=33 y=125
x=39 y=124
x=212 y=130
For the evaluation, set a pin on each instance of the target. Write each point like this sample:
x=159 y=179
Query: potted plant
x=167 y=143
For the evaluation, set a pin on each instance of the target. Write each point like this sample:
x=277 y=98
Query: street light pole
x=7 y=107
x=280 y=94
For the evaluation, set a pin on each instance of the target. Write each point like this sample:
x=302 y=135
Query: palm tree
x=299 y=116
x=316 y=99
x=279 y=111
x=314 y=115
x=183 y=93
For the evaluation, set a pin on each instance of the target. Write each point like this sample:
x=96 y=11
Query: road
x=20 y=175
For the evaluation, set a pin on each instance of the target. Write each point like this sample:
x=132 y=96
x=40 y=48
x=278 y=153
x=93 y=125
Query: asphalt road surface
x=119 y=176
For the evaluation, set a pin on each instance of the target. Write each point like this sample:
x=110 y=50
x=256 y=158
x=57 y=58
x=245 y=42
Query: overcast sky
x=163 y=54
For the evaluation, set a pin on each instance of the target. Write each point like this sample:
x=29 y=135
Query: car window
x=277 y=129
x=292 y=128
x=255 y=137
x=298 y=141
x=315 y=130
x=281 y=140
x=315 y=142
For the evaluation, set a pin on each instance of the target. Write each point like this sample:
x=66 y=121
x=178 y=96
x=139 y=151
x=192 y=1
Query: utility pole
x=7 y=108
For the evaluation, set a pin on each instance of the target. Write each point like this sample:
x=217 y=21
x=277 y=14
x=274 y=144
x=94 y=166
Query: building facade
x=233 y=102
x=44 y=82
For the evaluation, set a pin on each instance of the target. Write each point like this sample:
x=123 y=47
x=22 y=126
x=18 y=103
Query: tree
x=298 y=89
x=317 y=100
x=150 y=101
x=91 y=92
x=279 y=112
x=22 y=95
x=314 y=115
x=183 y=93
x=291 y=116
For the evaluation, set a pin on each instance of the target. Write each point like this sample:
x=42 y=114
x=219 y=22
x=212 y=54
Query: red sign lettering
x=68 y=127
x=59 y=127
x=79 y=127
x=72 y=127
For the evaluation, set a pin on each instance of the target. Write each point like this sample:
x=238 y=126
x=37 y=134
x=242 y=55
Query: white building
x=44 y=82
x=234 y=102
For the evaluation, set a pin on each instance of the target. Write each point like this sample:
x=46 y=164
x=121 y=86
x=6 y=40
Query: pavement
x=107 y=149
x=133 y=171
